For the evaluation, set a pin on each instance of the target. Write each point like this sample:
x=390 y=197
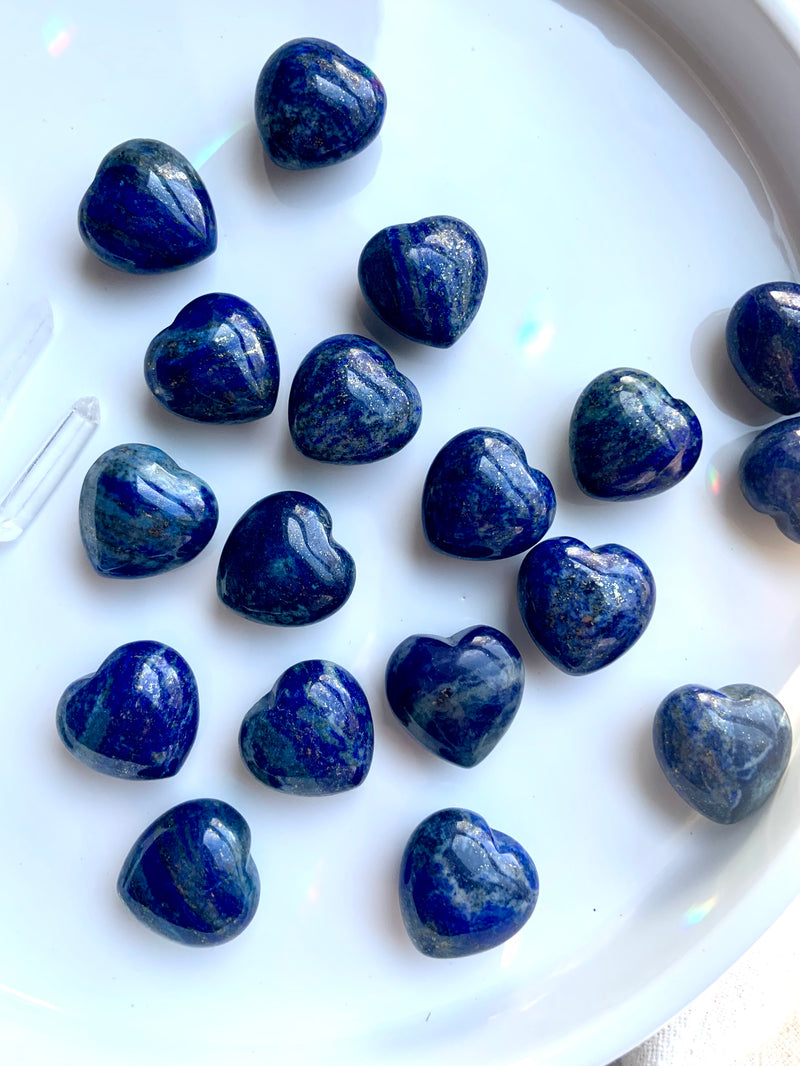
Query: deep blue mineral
x=464 y=887
x=584 y=607
x=312 y=734
x=136 y=716
x=350 y=404
x=216 y=363
x=141 y=514
x=281 y=566
x=629 y=438
x=190 y=876
x=763 y=339
x=456 y=696
x=481 y=500
x=147 y=211
x=425 y=279
x=723 y=752
x=769 y=475
x=316 y=105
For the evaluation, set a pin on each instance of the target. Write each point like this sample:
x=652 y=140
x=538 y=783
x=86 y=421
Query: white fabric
x=750 y=1017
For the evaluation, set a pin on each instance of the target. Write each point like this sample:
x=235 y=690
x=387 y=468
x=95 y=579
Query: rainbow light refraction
x=57 y=36
x=714 y=479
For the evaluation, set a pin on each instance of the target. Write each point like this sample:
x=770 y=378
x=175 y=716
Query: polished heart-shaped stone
x=281 y=566
x=140 y=513
x=457 y=696
x=316 y=105
x=190 y=876
x=136 y=716
x=312 y=734
x=464 y=887
x=724 y=751
x=147 y=211
x=217 y=362
x=481 y=499
x=629 y=438
x=763 y=341
x=584 y=607
x=769 y=475
x=350 y=404
x=425 y=279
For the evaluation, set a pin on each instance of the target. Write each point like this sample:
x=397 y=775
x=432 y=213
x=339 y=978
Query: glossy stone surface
x=147 y=211
x=481 y=499
x=350 y=404
x=584 y=607
x=464 y=888
x=312 y=734
x=457 y=696
x=316 y=105
x=140 y=513
x=425 y=279
x=136 y=716
x=763 y=340
x=281 y=566
x=629 y=438
x=724 y=751
x=217 y=362
x=190 y=876
x=769 y=475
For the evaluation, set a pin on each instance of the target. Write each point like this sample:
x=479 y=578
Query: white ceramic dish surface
x=623 y=213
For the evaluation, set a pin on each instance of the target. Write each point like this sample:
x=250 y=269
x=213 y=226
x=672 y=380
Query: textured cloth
x=749 y=1017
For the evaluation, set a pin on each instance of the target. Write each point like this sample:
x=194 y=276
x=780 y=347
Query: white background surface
x=622 y=217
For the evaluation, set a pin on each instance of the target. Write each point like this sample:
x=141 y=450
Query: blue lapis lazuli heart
x=136 y=716
x=141 y=514
x=584 y=607
x=629 y=438
x=190 y=876
x=316 y=105
x=216 y=363
x=147 y=210
x=425 y=279
x=481 y=499
x=769 y=475
x=281 y=566
x=464 y=888
x=763 y=341
x=724 y=752
x=457 y=696
x=350 y=404
x=312 y=734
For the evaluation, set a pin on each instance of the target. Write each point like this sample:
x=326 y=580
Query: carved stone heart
x=147 y=211
x=140 y=513
x=464 y=887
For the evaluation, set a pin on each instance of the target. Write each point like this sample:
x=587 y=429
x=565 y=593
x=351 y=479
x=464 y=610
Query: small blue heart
x=723 y=752
x=190 y=876
x=769 y=475
x=140 y=513
x=425 y=279
x=312 y=734
x=763 y=340
x=629 y=438
x=316 y=105
x=216 y=363
x=147 y=211
x=281 y=566
x=136 y=716
x=584 y=607
x=464 y=887
x=481 y=499
x=456 y=696
x=350 y=404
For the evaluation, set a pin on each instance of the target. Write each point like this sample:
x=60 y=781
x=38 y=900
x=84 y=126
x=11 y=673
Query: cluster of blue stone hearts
x=463 y=886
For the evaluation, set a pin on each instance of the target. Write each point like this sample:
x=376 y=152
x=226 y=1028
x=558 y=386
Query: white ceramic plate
x=623 y=213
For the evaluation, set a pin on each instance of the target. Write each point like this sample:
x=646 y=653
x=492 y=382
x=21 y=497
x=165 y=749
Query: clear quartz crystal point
x=31 y=490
